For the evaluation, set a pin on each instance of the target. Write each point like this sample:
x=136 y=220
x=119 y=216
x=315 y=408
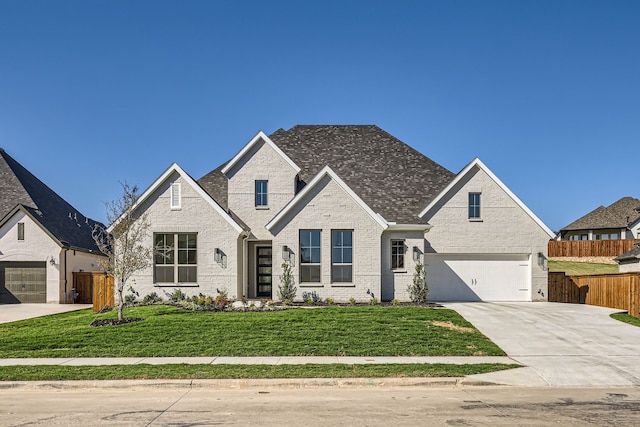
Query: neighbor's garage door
x=474 y=277
x=23 y=282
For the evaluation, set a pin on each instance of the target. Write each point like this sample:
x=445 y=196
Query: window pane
x=187 y=274
x=310 y=274
x=342 y=273
x=315 y=238
x=164 y=274
x=336 y=256
x=261 y=193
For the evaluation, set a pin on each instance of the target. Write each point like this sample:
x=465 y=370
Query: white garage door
x=475 y=277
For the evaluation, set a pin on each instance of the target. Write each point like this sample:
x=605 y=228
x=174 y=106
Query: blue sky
x=545 y=93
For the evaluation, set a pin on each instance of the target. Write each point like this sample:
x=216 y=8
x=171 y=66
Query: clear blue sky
x=545 y=93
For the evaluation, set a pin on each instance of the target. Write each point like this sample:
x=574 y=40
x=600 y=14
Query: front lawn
x=573 y=268
x=169 y=331
x=150 y=372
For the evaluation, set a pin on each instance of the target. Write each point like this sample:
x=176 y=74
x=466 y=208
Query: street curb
x=248 y=384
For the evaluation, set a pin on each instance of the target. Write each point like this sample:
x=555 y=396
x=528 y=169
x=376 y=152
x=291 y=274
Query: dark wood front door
x=263 y=268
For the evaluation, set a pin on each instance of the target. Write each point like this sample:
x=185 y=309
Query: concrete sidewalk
x=15 y=312
x=271 y=360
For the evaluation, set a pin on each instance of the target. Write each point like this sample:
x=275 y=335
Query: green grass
x=169 y=331
x=624 y=317
x=572 y=268
x=119 y=372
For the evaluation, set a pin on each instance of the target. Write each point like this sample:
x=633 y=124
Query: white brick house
x=352 y=209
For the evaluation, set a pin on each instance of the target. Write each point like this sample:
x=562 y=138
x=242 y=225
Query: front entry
x=263 y=268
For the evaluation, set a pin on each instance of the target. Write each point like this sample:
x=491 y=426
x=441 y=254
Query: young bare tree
x=124 y=242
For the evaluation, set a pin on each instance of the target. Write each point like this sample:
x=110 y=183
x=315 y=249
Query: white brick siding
x=195 y=216
x=260 y=163
x=395 y=283
x=328 y=207
x=505 y=227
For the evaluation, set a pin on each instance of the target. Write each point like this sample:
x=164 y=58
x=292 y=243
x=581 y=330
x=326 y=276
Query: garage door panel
x=24 y=282
x=475 y=277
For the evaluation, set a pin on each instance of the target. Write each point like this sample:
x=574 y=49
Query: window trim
x=175 y=202
x=310 y=264
x=333 y=263
x=176 y=257
x=264 y=193
x=21 y=231
x=398 y=256
x=475 y=205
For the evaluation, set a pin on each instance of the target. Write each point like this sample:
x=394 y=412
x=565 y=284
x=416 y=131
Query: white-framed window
x=474 y=206
x=21 y=231
x=397 y=254
x=342 y=256
x=310 y=256
x=176 y=196
x=175 y=258
x=262 y=191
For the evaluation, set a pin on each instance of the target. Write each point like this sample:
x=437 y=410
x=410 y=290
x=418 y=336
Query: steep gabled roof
x=617 y=215
x=392 y=178
x=233 y=221
x=19 y=188
x=477 y=163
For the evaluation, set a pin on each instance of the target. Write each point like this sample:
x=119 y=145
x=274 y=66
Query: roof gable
x=174 y=168
x=326 y=171
x=477 y=163
x=260 y=136
x=19 y=187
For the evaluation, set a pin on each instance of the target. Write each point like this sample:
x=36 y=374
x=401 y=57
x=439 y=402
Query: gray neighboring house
x=43 y=239
x=619 y=220
x=629 y=262
x=352 y=209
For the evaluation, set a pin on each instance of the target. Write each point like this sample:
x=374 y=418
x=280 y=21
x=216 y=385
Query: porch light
x=52 y=261
x=217 y=255
x=416 y=254
x=285 y=253
x=542 y=260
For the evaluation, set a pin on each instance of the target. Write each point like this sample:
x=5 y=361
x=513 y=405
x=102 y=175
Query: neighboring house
x=43 y=239
x=629 y=262
x=352 y=209
x=620 y=220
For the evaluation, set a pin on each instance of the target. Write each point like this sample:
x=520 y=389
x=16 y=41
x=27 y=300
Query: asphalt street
x=354 y=406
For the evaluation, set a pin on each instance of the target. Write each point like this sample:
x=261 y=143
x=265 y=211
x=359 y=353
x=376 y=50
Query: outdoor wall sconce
x=52 y=261
x=542 y=260
x=220 y=257
x=416 y=254
x=285 y=253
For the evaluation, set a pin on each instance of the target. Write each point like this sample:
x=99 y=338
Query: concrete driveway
x=561 y=344
x=15 y=312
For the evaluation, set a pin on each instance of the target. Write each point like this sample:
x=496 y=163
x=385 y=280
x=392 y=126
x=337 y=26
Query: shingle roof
x=395 y=180
x=19 y=187
x=616 y=215
x=632 y=254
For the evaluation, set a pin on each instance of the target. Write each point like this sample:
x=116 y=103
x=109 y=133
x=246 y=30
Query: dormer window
x=262 y=193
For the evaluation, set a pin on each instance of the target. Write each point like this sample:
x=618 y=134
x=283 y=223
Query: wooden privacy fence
x=620 y=290
x=590 y=248
x=94 y=287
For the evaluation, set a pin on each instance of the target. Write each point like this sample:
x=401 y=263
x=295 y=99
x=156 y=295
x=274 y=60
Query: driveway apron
x=561 y=344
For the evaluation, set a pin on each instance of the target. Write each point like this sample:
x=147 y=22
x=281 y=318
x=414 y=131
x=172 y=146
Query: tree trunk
x=120 y=301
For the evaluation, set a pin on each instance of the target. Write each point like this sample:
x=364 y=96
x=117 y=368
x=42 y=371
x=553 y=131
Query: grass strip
x=574 y=268
x=624 y=317
x=329 y=331
x=183 y=371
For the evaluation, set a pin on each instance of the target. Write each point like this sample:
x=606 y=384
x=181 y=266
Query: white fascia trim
x=259 y=136
x=175 y=168
x=409 y=227
x=327 y=171
x=478 y=163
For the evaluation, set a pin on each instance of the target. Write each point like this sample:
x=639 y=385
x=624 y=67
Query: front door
x=264 y=277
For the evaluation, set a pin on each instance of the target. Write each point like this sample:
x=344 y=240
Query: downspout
x=65 y=246
x=245 y=272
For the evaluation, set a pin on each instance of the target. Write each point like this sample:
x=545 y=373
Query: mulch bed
x=114 y=322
